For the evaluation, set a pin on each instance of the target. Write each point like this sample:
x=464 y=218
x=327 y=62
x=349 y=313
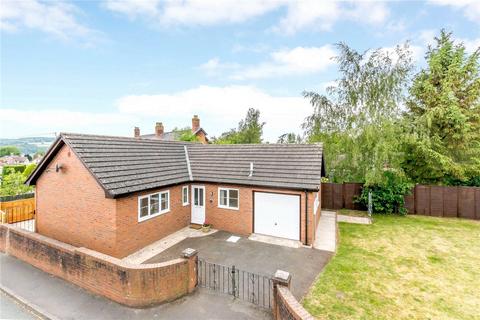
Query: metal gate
x=248 y=286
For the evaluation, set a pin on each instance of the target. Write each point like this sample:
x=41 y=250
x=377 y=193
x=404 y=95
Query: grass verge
x=409 y=267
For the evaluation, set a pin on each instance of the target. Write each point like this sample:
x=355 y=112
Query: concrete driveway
x=304 y=264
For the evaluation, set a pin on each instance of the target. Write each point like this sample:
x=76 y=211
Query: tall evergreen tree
x=443 y=119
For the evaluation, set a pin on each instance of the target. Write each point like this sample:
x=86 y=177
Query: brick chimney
x=195 y=123
x=159 y=129
x=136 y=132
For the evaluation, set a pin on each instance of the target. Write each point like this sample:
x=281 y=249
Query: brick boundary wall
x=285 y=306
x=128 y=284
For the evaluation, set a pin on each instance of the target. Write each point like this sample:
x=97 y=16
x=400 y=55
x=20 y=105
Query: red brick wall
x=133 y=235
x=241 y=221
x=128 y=284
x=71 y=206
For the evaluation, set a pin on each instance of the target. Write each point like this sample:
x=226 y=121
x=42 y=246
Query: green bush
x=388 y=196
x=11 y=168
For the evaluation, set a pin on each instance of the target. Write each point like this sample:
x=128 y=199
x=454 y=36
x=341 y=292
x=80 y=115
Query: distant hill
x=29 y=145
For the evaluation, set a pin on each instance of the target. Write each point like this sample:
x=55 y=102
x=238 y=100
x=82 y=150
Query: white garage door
x=277 y=215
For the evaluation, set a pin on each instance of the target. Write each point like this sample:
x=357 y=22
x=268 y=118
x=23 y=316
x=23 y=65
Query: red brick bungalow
x=117 y=195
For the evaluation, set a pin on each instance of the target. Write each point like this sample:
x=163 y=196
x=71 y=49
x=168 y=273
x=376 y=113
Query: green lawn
x=402 y=268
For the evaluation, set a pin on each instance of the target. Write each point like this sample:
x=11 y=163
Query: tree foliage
x=387 y=196
x=185 y=134
x=443 y=119
x=250 y=130
x=357 y=118
x=9 y=150
x=290 y=137
x=13 y=180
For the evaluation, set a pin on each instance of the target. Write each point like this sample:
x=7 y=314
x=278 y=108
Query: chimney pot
x=159 y=129
x=195 y=123
x=136 y=132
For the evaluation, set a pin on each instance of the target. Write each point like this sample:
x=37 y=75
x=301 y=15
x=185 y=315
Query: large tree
x=357 y=118
x=9 y=150
x=443 y=127
x=250 y=130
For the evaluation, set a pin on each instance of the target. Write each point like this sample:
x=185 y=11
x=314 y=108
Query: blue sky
x=107 y=66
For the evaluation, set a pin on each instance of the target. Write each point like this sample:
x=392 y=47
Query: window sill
x=186 y=204
x=153 y=215
x=229 y=208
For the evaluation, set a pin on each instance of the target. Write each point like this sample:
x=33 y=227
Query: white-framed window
x=185 y=198
x=228 y=198
x=152 y=205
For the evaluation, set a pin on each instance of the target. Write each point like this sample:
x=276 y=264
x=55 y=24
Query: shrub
x=388 y=196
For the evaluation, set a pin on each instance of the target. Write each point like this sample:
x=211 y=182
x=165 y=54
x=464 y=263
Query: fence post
x=192 y=258
x=234 y=287
x=281 y=278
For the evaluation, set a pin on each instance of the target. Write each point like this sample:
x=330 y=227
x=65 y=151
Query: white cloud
x=220 y=108
x=320 y=15
x=58 y=120
x=55 y=18
x=215 y=67
x=300 y=15
x=470 y=8
x=193 y=12
x=470 y=44
x=286 y=62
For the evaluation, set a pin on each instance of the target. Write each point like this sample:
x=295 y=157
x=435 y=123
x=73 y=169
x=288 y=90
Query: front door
x=198 y=204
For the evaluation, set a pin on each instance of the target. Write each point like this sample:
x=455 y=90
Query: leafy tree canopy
x=13 y=184
x=443 y=118
x=356 y=119
x=185 y=134
x=289 y=138
x=250 y=130
x=9 y=150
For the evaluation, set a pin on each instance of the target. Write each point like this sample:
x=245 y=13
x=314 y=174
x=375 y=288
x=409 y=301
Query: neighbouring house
x=13 y=159
x=160 y=133
x=117 y=194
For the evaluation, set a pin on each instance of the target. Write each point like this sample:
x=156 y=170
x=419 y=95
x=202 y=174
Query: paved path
x=11 y=309
x=352 y=219
x=326 y=232
x=62 y=300
x=163 y=244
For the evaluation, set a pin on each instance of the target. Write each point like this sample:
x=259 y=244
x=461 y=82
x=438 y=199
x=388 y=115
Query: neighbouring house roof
x=125 y=165
x=168 y=136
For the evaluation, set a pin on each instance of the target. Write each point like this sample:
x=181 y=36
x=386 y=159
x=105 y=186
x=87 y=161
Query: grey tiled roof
x=125 y=165
x=274 y=165
x=166 y=136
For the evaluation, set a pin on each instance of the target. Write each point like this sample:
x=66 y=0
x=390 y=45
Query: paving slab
x=326 y=232
x=63 y=300
x=163 y=244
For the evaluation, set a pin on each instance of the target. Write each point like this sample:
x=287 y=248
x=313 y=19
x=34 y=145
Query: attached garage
x=277 y=214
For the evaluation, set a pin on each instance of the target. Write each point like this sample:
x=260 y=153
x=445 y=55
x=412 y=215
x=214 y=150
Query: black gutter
x=306 y=217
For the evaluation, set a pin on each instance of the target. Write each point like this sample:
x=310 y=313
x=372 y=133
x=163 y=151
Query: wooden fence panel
x=409 y=202
x=436 y=201
x=351 y=192
x=18 y=210
x=466 y=202
x=439 y=201
x=327 y=195
x=450 y=201
x=422 y=200
x=338 y=196
x=477 y=203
